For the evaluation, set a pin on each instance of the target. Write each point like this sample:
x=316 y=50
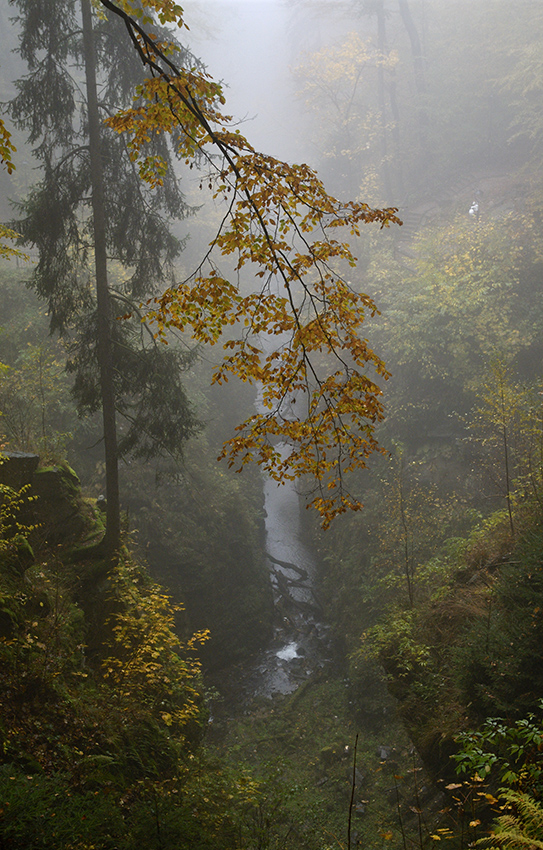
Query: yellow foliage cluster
x=147 y=660
x=326 y=71
x=6 y=149
x=319 y=382
x=337 y=84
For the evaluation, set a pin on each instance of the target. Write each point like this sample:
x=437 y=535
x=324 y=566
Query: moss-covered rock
x=59 y=509
x=17 y=468
x=16 y=553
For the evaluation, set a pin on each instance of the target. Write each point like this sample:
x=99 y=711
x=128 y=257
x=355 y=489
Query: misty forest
x=271 y=424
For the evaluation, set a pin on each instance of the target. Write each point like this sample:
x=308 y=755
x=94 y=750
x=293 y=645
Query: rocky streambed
x=300 y=644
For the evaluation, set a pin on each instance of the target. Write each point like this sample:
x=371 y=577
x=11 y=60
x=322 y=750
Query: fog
x=245 y=45
x=190 y=658
x=252 y=46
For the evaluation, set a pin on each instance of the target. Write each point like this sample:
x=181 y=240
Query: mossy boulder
x=331 y=754
x=17 y=468
x=16 y=553
x=8 y=623
x=59 y=507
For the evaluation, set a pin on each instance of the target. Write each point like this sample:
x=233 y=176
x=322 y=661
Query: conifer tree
x=103 y=237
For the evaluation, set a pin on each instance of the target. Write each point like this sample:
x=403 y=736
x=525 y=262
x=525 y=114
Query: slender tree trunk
x=420 y=77
x=506 y=459
x=408 y=561
x=381 y=99
x=408 y=565
x=104 y=319
x=507 y=479
x=398 y=170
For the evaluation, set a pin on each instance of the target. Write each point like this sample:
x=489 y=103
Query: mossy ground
x=301 y=747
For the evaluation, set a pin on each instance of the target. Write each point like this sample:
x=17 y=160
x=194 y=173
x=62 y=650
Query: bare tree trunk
x=420 y=77
x=506 y=462
x=104 y=319
x=408 y=561
x=398 y=169
x=381 y=99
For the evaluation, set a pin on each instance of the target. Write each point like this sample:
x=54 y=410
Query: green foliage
x=36 y=413
x=102 y=713
x=464 y=401
x=398 y=645
x=43 y=635
x=396 y=553
x=414 y=522
x=55 y=217
x=201 y=535
x=34 y=401
x=299 y=751
x=38 y=811
x=510 y=753
x=16 y=526
x=460 y=305
x=14 y=531
x=154 y=412
x=468 y=645
x=498 y=657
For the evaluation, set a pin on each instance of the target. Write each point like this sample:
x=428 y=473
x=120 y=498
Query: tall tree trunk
x=104 y=318
x=420 y=77
x=381 y=99
x=398 y=169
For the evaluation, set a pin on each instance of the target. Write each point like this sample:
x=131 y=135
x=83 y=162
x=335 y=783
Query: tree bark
x=103 y=300
x=419 y=74
x=381 y=99
x=398 y=169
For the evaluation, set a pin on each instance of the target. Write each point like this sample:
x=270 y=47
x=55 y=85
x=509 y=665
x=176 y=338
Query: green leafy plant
x=511 y=753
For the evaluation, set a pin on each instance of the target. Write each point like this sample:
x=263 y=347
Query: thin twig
x=353 y=789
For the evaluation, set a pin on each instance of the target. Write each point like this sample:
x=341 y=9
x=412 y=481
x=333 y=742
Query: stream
x=300 y=643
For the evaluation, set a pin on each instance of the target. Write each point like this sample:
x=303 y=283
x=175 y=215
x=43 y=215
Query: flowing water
x=300 y=643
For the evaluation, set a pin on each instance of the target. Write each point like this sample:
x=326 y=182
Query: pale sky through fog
x=244 y=44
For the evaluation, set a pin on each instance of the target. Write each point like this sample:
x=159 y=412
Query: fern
x=521 y=827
